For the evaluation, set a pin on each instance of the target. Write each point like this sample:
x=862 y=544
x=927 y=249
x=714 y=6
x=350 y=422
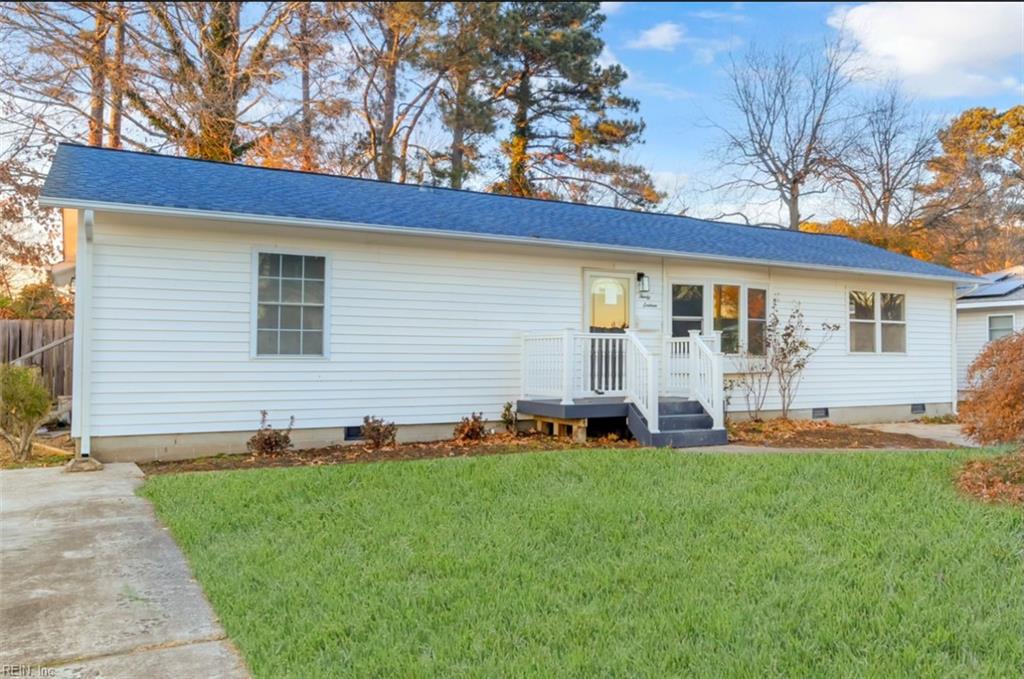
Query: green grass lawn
x=608 y=563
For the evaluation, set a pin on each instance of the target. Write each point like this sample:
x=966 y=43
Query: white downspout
x=953 y=357
x=81 y=370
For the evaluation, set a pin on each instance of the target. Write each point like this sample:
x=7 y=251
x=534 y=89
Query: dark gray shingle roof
x=85 y=174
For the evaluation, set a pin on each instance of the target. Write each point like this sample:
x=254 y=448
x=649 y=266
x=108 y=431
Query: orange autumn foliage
x=994 y=413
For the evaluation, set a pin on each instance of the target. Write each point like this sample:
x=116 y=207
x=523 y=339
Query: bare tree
x=202 y=69
x=389 y=43
x=885 y=162
x=789 y=104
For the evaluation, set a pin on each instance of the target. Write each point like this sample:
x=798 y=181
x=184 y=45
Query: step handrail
x=642 y=380
x=46 y=347
x=707 y=378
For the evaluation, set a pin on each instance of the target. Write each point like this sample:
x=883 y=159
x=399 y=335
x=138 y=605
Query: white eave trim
x=440 y=233
x=990 y=305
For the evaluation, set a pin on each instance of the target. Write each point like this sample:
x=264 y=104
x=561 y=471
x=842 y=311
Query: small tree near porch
x=788 y=349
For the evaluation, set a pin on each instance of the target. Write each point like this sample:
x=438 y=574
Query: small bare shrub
x=510 y=418
x=270 y=441
x=378 y=433
x=24 y=406
x=470 y=428
x=789 y=350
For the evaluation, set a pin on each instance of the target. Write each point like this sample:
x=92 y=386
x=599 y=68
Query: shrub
x=378 y=433
x=24 y=405
x=270 y=441
x=470 y=428
x=994 y=412
x=510 y=418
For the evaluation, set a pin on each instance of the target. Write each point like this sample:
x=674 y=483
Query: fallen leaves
x=996 y=479
x=823 y=434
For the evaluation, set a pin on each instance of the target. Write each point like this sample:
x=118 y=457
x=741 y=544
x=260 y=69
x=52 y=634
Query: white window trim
x=708 y=310
x=877 y=292
x=988 y=324
x=254 y=278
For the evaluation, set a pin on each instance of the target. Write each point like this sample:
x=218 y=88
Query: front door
x=607 y=309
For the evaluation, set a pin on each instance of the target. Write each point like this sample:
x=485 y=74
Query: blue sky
x=948 y=57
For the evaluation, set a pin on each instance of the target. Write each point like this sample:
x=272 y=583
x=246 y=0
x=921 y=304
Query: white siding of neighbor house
x=421 y=330
x=972 y=335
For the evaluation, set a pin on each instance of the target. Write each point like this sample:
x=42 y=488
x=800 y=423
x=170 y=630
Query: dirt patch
x=496 y=444
x=825 y=435
x=41 y=457
x=996 y=479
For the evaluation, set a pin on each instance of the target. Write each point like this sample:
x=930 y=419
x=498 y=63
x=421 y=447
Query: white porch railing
x=706 y=379
x=571 y=365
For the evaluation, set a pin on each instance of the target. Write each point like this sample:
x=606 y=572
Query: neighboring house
x=207 y=292
x=985 y=311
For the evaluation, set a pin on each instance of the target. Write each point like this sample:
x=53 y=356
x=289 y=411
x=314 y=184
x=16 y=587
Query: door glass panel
x=609 y=304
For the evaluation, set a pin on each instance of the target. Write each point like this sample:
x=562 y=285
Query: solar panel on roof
x=997 y=289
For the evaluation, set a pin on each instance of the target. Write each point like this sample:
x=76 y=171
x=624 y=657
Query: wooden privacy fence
x=21 y=337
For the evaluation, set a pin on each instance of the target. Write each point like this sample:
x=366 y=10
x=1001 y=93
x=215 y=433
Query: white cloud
x=638 y=84
x=607 y=58
x=665 y=36
x=655 y=88
x=706 y=49
x=938 y=49
x=611 y=7
x=707 y=15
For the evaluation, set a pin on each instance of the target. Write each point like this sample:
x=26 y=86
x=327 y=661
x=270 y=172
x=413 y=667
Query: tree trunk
x=308 y=162
x=98 y=80
x=458 y=149
x=386 y=147
x=794 y=207
x=218 y=119
x=117 y=80
x=518 y=176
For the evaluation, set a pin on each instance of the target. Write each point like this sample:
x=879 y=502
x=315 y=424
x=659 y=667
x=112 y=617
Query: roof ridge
x=409 y=185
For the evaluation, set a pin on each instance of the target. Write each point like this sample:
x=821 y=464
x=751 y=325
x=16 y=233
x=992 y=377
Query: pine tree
x=563 y=140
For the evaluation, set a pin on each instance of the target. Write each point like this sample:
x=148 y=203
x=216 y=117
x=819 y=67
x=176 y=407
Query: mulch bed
x=996 y=479
x=824 y=435
x=496 y=444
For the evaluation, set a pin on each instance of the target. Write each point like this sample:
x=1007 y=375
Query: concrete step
x=682 y=422
x=679 y=406
x=690 y=438
x=681 y=438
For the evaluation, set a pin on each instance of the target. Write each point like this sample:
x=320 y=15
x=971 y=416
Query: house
x=207 y=292
x=985 y=311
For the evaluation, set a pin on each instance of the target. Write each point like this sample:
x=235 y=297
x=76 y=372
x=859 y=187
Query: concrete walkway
x=949 y=433
x=91 y=585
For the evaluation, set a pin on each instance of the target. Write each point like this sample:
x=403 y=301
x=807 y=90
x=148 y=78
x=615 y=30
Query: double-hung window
x=878 y=322
x=687 y=309
x=290 y=305
x=757 y=319
x=1000 y=326
x=726 y=309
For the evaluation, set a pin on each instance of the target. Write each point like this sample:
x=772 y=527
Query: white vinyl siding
x=972 y=334
x=419 y=330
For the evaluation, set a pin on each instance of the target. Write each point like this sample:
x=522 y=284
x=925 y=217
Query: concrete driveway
x=91 y=585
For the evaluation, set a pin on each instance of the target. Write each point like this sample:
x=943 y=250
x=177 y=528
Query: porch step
x=679 y=422
x=679 y=406
x=679 y=430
